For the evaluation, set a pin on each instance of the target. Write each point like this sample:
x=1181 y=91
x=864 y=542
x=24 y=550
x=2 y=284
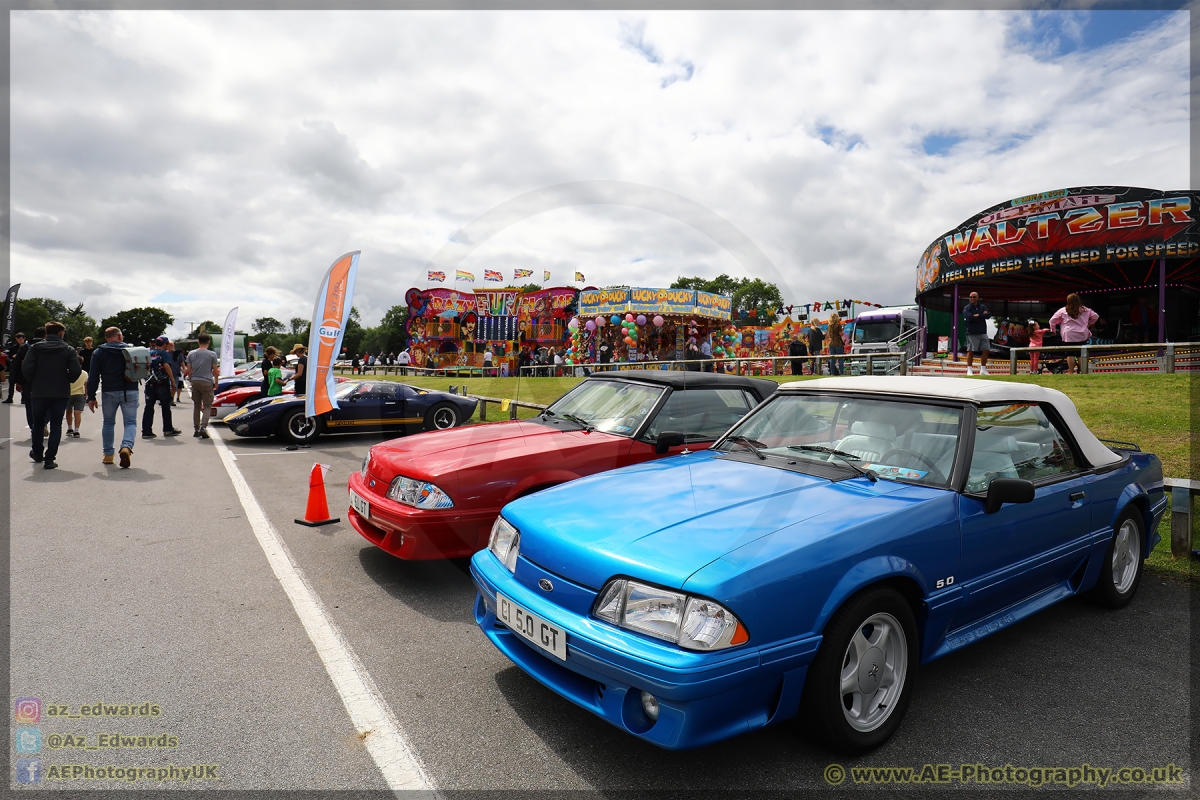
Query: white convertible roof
x=972 y=391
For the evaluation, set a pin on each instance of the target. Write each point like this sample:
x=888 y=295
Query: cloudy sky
x=201 y=160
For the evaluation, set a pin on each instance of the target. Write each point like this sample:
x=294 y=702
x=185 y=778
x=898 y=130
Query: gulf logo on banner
x=330 y=315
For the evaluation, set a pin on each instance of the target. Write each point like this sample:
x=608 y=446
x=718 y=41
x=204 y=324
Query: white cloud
x=230 y=156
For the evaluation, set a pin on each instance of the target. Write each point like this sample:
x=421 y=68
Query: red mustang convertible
x=436 y=495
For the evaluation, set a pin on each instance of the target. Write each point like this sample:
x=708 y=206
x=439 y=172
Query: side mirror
x=1007 y=490
x=667 y=440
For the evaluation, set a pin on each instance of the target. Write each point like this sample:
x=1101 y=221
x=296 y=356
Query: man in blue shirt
x=160 y=387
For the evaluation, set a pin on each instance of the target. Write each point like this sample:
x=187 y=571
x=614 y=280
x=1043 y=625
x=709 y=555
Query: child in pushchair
x=1042 y=337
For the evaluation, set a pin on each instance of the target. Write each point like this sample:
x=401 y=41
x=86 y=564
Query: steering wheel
x=933 y=470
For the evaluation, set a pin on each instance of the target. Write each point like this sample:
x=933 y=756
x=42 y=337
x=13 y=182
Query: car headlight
x=366 y=460
x=505 y=543
x=694 y=623
x=418 y=494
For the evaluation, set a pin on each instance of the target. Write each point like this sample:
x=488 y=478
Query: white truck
x=879 y=329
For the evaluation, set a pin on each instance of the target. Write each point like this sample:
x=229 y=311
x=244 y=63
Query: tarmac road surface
x=151 y=586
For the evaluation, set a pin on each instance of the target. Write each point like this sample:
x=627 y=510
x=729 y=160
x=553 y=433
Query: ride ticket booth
x=1131 y=254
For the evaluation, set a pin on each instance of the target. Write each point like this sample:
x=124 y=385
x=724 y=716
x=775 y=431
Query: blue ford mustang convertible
x=842 y=534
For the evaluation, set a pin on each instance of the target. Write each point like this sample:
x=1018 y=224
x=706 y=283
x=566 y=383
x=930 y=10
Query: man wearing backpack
x=116 y=371
x=160 y=387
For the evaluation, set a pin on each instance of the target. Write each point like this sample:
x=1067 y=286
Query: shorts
x=76 y=402
x=978 y=343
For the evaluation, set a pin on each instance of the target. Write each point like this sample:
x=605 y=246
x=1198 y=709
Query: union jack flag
x=437 y=276
x=521 y=273
x=492 y=275
x=462 y=275
x=545 y=276
x=579 y=277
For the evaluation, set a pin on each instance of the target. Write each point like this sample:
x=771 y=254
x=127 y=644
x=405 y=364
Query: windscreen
x=896 y=440
x=616 y=407
x=872 y=331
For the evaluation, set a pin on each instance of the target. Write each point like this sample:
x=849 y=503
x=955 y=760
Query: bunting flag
x=579 y=277
x=227 y=343
x=545 y=276
x=461 y=275
x=493 y=275
x=521 y=273
x=438 y=276
x=330 y=315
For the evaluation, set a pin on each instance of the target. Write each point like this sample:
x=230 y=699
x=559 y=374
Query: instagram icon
x=28 y=709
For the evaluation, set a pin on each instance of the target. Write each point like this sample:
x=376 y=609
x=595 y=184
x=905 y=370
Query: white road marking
x=369 y=713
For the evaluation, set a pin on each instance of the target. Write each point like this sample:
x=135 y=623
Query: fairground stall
x=1129 y=253
x=636 y=324
x=449 y=329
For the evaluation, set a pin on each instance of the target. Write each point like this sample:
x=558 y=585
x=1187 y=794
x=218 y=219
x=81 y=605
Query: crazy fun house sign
x=1065 y=228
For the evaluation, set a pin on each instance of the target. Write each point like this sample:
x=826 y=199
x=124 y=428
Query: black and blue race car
x=362 y=406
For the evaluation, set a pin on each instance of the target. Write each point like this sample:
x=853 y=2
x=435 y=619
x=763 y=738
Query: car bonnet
x=663 y=520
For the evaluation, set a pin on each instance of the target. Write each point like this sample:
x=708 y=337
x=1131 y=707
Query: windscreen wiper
x=750 y=444
x=587 y=426
x=844 y=456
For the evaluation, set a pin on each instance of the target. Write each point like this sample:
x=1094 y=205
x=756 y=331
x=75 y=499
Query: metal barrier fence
x=844 y=364
x=1159 y=357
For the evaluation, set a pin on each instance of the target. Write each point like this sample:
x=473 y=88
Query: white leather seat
x=869 y=440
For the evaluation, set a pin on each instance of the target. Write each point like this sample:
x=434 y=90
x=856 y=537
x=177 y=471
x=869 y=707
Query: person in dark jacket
x=816 y=343
x=85 y=353
x=39 y=334
x=797 y=347
x=116 y=393
x=14 y=348
x=47 y=371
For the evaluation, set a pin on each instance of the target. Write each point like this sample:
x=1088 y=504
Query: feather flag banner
x=492 y=275
x=330 y=317
x=521 y=273
x=438 y=276
x=462 y=275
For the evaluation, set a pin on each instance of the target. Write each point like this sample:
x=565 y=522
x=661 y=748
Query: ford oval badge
x=546 y=585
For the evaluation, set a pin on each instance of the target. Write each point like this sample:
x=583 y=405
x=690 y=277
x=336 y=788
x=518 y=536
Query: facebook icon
x=29 y=770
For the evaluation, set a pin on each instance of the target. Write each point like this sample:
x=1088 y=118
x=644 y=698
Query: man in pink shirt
x=1073 y=323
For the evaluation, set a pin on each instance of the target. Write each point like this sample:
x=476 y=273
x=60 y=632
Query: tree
x=268 y=325
x=722 y=284
x=298 y=325
x=531 y=287
x=140 y=325
x=758 y=296
x=375 y=340
x=30 y=314
x=352 y=337
x=79 y=325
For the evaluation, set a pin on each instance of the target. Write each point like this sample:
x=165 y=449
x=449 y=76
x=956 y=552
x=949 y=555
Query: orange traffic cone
x=316 y=512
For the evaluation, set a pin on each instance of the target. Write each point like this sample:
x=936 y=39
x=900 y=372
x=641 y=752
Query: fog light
x=650 y=706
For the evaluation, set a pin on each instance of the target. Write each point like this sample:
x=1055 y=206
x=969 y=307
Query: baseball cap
x=161 y=340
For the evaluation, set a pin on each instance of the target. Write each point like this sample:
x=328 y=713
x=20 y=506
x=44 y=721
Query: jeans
x=202 y=400
x=162 y=395
x=836 y=365
x=43 y=410
x=127 y=402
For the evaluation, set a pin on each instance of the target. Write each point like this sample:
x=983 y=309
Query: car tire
x=838 y=711
x=299 y=429
x=1121 y=569
x=442 y=417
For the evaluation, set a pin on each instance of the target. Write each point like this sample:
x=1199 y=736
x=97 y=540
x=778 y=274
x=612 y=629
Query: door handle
x=1076 y=496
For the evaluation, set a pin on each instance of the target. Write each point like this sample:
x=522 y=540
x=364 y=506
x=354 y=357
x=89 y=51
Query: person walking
x=203 y=369
x=76 y=402
x=116 y=393
x=14 y=348
x=176 y=357
x=402 y=359
x=797 y=348
x=816 y=342
x=160 y=388
x=487 y=362
x=301 y=375
x=85 y=353
x=837 y=345
x=48 y=371
x=1073 y=322
x=354 y=364
x=976 y=315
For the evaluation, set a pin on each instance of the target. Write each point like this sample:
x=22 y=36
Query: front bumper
x=703 y=697
x=417 y=534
